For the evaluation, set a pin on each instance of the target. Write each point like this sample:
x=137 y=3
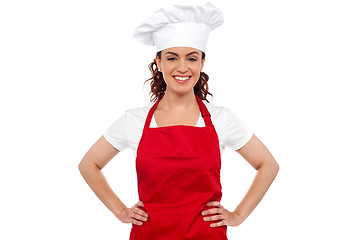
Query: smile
x=182 y=78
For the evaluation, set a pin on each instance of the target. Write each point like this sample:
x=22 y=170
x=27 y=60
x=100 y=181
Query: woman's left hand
x=226 y=217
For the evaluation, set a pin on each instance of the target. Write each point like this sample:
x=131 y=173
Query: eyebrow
x=178 y=55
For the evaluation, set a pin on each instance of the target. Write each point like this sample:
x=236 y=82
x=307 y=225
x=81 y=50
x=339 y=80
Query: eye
x=171 y=59
x=192 y=59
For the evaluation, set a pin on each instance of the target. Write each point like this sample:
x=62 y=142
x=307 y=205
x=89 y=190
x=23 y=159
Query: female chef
x=178 y=139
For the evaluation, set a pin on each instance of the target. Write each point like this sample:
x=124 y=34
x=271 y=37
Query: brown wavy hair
x=158 y=85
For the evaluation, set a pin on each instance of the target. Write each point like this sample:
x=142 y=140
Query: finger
x=140 y=217
x=139 y=204
x=211 y=211
x=136 y=222
x=214 y=204
x=136 y=216
x=140 y=212
x=218 y=224
x=213 y=218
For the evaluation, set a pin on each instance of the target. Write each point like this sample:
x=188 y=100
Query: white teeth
x=181 y=78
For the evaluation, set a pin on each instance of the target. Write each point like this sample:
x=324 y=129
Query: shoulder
x=226 y=113
x=131 y=117
x=127 y=129
x=139 y=112
x=215 y=110
x=234 y=132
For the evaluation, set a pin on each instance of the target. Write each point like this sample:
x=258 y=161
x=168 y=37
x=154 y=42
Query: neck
x=171 y=102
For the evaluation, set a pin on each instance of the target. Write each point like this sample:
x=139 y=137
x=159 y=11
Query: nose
x=182 y=67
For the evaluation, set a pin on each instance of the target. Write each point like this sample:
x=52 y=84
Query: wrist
x=241 y=218
x=119 y=212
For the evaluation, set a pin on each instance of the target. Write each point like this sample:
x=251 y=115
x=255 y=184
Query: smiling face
x=181 y=68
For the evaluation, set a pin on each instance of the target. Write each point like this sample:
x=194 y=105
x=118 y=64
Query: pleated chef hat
x=179 y=26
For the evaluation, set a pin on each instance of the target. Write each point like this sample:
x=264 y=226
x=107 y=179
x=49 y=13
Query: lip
x=180 y=81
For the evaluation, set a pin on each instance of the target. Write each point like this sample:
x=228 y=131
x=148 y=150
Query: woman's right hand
x=134 y=214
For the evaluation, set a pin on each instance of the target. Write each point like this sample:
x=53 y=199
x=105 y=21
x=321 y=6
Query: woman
x=178 y=154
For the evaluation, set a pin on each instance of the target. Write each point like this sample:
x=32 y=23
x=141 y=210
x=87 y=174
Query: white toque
x=179 y=26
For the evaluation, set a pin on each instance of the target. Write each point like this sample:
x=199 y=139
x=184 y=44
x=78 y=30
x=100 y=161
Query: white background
x=290 y=69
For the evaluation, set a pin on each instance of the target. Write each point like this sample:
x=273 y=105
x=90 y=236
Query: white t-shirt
x=127 y=130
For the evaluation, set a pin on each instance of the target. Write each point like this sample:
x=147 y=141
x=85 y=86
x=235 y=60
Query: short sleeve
x=117 y=134
x=238 y=133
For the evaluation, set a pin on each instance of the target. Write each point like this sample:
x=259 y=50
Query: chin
x=180 y=91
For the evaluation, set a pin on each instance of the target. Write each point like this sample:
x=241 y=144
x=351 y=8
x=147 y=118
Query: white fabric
x=182 y=35
x=179 y=26
x=127 y=130
x=200 y=123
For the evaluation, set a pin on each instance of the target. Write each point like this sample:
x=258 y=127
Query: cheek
x=167 y=73
x=199 y=65
x=167 y=68
x=197 y=69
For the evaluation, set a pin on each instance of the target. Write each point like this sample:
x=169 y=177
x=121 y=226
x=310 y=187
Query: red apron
x=178 y=171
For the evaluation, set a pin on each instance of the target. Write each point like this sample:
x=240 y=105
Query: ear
x=157 y=60
x=203 y=60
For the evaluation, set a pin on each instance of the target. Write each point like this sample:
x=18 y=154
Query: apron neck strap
x=204 y=112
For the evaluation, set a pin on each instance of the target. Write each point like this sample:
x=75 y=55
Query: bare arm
x=267 y=168
x=90 y=167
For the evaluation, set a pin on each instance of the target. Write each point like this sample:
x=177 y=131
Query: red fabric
x=178 y=172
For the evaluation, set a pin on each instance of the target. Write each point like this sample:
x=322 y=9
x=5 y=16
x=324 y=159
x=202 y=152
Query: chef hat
x=179 y=26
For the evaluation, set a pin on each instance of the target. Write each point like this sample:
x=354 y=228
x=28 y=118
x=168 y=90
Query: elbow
x=87 y=167
x=84 y=169
x=81 y=167
x=275 y=167
x=271 y=166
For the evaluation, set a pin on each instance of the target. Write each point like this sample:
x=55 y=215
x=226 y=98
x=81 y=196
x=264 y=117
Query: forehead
x=181 y=51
